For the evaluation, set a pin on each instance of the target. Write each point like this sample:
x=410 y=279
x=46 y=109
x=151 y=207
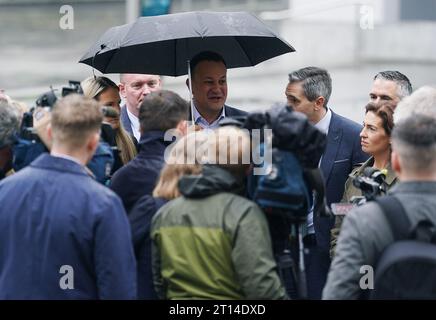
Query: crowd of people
x=161 y=228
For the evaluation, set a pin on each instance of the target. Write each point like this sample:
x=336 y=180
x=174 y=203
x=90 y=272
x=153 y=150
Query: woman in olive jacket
x=375 y=141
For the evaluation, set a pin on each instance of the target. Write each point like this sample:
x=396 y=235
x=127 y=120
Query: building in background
x=352 y=39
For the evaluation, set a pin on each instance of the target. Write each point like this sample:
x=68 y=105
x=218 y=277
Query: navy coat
x=229 y=112
x=138 y=177
x=53 y=214
x=342 y=153
x=233 y=112
x=140 y=221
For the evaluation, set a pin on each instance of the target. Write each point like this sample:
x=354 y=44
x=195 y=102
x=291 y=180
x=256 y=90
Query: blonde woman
x=106 y=92
x=178 y=164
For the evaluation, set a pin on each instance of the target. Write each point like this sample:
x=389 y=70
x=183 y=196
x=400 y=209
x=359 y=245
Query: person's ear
x=46 y=135
x=319 y=103
x=122 y=88
x=49 y=131
x=92 y=144
x=395 y=162
x=182 y=126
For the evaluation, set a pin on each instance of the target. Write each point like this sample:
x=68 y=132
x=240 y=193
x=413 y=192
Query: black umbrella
x=164 y=44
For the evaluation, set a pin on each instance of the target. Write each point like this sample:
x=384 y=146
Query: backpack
x=287 y=187
x=283 y=187
x=407 y=268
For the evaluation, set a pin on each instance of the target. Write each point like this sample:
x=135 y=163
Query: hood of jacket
x=211 y=181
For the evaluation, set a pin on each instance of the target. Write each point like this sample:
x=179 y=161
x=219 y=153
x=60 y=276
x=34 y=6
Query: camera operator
x=8 y=131
x=33 y=139
x=375 y=141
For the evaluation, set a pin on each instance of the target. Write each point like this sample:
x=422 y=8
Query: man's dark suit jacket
x=125 y=121
x=228 y=111
x=342 y=153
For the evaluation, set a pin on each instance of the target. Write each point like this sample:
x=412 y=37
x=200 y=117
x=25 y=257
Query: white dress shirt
x=323 y=126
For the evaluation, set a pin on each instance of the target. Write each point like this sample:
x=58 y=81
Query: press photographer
x=33 y=139
x=367 y=182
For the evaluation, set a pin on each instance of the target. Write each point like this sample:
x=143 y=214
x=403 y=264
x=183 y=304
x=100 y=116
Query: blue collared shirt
x=202 y=122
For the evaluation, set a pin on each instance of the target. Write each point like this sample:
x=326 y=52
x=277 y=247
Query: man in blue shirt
x=62 y=234
x=209 y=90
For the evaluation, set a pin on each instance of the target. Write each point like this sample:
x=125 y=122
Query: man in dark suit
x=134 y=88
x=209 y=90
x=308 y=91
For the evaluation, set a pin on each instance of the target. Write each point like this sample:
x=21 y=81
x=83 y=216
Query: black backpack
x=407 y=267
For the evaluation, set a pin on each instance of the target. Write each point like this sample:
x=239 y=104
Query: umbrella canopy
x=164 y=44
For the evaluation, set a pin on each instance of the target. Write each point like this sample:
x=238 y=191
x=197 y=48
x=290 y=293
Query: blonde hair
x=74 y=119
x=125 y=144
x=232 y=148
x=178 y=165
x=21 y=107
x=92 y=88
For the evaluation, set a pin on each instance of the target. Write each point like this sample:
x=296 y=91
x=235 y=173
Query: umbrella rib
x=175 y=56
x=243 y=50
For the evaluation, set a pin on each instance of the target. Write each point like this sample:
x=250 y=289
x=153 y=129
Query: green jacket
x=213 y=244
x=351 y=191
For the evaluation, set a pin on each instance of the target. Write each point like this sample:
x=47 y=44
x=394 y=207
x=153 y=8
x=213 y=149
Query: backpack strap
x=395 y=214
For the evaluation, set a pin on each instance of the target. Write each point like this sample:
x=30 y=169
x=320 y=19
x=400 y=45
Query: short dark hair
x=385 y=112
x=162 y=110
x=205 y=56
x=316 y=82
x=414 y=140
x=404 y=85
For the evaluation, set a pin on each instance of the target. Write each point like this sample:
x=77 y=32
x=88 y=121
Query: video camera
x=372 y=183
x=43 y=104
x=33 y=140
x=293 y=177
x=291 y=188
